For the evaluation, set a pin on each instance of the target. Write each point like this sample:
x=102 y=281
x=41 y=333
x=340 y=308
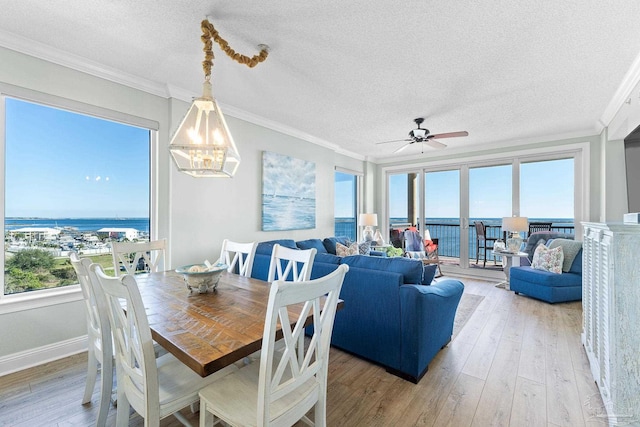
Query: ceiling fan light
x=419 y=133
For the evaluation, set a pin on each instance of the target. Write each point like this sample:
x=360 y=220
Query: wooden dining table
x=211 y=330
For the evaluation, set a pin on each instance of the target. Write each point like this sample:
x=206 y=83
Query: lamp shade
x=202 y=146
x=515 y=223
x=368 y=219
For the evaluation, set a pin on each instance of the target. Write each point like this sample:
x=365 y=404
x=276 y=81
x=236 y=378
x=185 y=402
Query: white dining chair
x=100 y=345
x=155 y=388
x=279 y=391
x=240 y=254
x=130 y=254
x=296 y=262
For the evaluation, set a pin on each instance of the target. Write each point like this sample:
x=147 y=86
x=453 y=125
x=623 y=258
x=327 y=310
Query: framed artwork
x=288 y=193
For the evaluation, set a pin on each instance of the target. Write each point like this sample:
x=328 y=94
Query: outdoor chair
x=418 y=248
x=155 y=388
x=483 y=242
x=539 y=226
x=139 y=257
x=280 y=390
x=100 y=345
x=240 y=254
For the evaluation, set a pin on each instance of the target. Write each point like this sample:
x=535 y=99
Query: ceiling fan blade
x=449 y=135
x=395 y=140
x=435 y=144
x=402 y=148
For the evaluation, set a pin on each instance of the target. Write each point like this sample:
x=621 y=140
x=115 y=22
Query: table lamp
x=368 y=220
x=514 y=224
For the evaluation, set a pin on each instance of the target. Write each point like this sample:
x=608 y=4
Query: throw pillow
x=570 y=249
x=342 y=250
x=548 y=259
x=364 y=248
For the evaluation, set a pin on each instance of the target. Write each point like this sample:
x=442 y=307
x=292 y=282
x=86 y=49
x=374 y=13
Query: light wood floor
x=517 y=362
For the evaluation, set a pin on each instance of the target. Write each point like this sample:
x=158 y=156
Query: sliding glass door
x=452 y=198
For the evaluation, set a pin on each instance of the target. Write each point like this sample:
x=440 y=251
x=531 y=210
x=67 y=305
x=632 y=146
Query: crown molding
x=629 y=82
x=42 y=51
x=504 y=145
x=287 y=130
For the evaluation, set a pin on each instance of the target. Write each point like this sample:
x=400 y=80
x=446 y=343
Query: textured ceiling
x=358 y=72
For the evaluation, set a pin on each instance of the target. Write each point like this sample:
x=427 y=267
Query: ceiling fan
x=422 y=135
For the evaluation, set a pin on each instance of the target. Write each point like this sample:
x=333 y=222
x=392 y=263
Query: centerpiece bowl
x=200 y=277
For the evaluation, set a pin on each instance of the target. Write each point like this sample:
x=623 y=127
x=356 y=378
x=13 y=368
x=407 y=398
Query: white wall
x=195 y=214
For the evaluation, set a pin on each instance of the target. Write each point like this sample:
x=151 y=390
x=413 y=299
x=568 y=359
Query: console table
x=611 y=316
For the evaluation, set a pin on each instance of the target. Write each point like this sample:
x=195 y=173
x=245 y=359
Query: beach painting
x=288 y=193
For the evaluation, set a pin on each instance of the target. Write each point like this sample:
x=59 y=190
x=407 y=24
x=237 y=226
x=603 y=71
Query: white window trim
x=48 y=297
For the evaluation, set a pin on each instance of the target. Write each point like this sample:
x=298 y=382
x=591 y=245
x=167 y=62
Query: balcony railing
x=447 y=233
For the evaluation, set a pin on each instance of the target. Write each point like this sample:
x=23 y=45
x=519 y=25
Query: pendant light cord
x=210 y=34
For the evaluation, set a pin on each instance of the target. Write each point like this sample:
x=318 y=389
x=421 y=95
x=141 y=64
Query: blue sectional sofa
x=389 y=317
x=546 y=286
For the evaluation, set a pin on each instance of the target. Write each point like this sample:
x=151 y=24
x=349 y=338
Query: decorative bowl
x=199 y=277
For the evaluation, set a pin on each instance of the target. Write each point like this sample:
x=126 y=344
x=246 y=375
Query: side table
x=512 y=260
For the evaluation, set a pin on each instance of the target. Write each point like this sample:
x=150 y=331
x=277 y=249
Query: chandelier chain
x=210 y=34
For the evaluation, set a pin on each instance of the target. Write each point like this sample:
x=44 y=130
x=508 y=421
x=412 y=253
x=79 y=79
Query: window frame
x=358 y=202
x=48 y=297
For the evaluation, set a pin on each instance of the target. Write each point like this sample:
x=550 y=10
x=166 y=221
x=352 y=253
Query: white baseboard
x=38 y=356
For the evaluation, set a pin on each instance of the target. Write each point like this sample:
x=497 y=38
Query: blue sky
x=61 y=164
x=546 y=191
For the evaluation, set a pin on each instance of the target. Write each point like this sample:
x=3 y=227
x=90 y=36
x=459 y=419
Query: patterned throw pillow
x=570 y=249
x=548 y=259
x=364 y=248
x=342 y=250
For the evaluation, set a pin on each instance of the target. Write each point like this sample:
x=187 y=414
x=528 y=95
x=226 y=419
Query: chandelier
x=202 y=146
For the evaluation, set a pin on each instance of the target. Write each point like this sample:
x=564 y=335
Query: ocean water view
x=80 y=224
x=447 y=230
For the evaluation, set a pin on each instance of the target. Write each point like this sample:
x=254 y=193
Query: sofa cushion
x=429 y=272
x=570 y=249
x=541 y=237
x=330 y=243
x=548 y=259
x=411 y=269
x=312 y=243
x=576 y=265
x=265 y=248
x=544 y=278
x=326 y=258
x=346 y=250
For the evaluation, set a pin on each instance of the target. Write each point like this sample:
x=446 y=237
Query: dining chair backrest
x=100 y=345
x=304 y=378
x=291 y=259
x=139 y=257
x=240 y=254
x=135 y=356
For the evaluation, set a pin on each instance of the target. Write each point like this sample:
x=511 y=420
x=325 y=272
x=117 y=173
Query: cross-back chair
x=137 y=257
x=100 y=346
x=296 y=262
x=281 y=391
x=155 y=388
x=240 y=254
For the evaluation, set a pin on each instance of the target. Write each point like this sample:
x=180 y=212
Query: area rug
x=466 y=307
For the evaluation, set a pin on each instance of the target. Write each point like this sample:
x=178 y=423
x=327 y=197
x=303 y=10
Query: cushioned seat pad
x=545 y=278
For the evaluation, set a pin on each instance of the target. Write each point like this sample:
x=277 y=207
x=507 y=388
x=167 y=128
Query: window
x=72 y=182
x=547 y=193
x=346 y=204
